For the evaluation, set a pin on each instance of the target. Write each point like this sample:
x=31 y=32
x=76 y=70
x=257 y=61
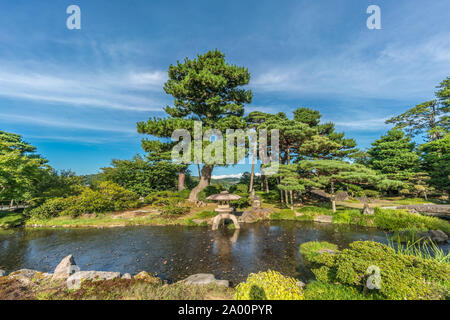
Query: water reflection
x=174 y=252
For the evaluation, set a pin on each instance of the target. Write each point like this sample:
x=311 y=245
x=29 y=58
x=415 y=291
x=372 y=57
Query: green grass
x=422 y=249
x=10 y=219
x=412 y=201
x=205 y=214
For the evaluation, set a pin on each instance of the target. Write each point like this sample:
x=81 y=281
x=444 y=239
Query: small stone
x=204 y=278
x=2 y=273
x=145 y=276
x=65 y=268
x=126 y=276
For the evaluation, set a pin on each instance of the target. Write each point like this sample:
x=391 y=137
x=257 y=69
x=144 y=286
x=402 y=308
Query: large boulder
x=147 y=277
x=204 y=278
x=341 y=196
x=74 y=281
x=26 y=276
x=436 y=236
x=320 y=195
x=323 y=219
x=65 y=268
x=254 y=214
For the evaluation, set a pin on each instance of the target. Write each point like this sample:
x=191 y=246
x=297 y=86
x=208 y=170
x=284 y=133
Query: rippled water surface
x=174 y=252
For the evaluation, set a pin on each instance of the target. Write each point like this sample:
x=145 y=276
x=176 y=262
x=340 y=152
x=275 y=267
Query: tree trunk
x=205 y=179
x=181 y=178
x=253 y=168
x=266 y=181
x=333 y=200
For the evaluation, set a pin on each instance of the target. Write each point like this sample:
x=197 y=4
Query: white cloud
x=61 y=123
x=111 y=90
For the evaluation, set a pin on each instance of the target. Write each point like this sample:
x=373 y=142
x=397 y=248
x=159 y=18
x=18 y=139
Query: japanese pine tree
x=394 y=155
x=206 y=89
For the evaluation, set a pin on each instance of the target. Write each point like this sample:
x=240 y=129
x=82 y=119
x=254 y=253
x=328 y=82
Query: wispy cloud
x=395 y=71
x=61 y=123
x=122 y=90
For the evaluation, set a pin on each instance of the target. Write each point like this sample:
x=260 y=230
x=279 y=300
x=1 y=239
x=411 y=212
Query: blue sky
x=77 y=94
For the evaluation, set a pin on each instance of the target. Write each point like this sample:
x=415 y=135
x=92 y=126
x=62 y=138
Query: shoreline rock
x=65 y=268
x=204 y=278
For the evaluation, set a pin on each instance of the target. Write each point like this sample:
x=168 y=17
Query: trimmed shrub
x=319 y=252
x=269 y=285
x=402 y=277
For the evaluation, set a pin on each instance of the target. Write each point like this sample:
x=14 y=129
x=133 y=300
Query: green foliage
x=394 y=220
x=174 y=210
x=20 y=168
x=353 y=216
x=419 y=248
x=108 y=197
x=436 y=162
x=142 y=176
x=402 y=277
x=394 y=155
x=269 y=285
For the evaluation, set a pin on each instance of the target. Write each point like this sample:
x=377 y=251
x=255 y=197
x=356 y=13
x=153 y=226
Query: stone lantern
x=224 y=209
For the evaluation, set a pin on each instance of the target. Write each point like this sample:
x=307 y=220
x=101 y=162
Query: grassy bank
x=10 y=219
x=385 y=219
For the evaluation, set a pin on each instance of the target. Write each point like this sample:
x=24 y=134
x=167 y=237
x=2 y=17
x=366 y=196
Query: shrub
x=174 y=210
x=315 y=210
x=402 y=277
x=50 y=208
x=371 y=193
x=269 y=285
x=108 y=197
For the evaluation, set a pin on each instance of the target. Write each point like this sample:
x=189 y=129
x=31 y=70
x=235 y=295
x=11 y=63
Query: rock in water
x=144 y=275
x=65 y=268
x=2 y=273
x=436 y=236
x=205 y=278
x=126 y=276
x=74 y=281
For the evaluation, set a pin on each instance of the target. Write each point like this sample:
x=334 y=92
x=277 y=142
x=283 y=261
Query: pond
x=175 y=252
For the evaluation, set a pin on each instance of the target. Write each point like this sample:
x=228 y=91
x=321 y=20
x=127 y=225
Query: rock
x=144 y=275
x=436 y=236
x=301 y=284
x=320 y=195
x=74 y=281
x=323 y=219
x=2 y=273
x=254 y=214
x=25 y=273
x=329 y=251
x=198 y=221
x=65 y=268
x=126 y=276
x=205 y=278
x=341 y=196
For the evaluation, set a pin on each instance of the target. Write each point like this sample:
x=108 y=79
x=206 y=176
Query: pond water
x=175 y=252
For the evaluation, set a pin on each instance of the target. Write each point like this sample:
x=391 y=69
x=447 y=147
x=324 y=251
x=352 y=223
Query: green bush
x=394 y=220
x=402 y=277
x=315 y=210
x=108 y=197
x=371 y=193
x=174 y=210
x=269 y=285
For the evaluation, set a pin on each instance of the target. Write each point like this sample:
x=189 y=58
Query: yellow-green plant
x=269 y=285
